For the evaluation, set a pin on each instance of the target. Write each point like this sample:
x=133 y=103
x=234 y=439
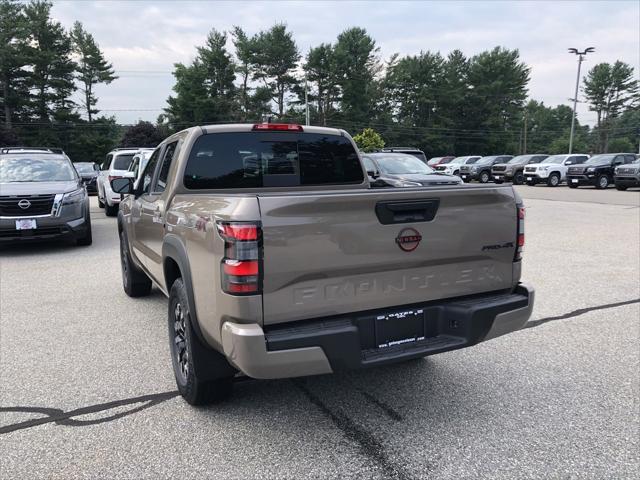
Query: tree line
x=450 y=104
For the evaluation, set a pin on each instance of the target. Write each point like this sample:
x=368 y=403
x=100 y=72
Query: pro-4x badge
x=408 y=239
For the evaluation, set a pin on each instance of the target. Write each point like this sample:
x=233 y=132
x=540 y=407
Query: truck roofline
x=248 y=127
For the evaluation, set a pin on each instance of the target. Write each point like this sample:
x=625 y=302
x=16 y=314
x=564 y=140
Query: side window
x=580 y=159
x=147 y=176
x=169 y=154
x=629 y=158
x=107 y=162
x=618 y=160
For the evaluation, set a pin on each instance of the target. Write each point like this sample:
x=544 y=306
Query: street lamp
x=581 y=56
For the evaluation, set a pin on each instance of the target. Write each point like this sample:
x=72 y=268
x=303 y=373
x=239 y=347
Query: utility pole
x=524 y=149
x=306 y=102
x=581 y=56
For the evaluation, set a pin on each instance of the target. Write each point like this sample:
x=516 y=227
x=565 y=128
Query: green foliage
x=356 y=65
x=622 y=145
x=274 y=59
x=51 y=77
x=369 y=140
x=92 y=68
x=144 y=134
x=321 y=72
x=610 y=89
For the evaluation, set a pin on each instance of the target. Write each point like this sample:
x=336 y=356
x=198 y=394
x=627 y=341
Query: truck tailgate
x=338 y=252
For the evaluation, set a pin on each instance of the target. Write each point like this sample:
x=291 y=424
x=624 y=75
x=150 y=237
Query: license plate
x=400 y=328
x=26 y=224
x=529 y=179
x=497 y=177
x=464 y=176
x=574 y=180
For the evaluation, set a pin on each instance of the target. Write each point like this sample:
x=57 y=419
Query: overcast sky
x=143 y=39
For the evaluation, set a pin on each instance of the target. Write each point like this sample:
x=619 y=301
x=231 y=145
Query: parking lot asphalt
x=88 y=391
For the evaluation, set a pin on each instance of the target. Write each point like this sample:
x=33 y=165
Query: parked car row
x=552 y=170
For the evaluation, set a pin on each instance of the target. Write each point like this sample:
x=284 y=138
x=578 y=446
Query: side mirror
x=372 y=173
x=123 y=186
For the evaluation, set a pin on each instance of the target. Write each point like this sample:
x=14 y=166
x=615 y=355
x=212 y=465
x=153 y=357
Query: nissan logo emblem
x=24 y=204
x=408 y=239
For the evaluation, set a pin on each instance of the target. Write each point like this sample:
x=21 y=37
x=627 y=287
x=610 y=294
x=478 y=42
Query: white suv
x=453 y=167
x=552 y=170
x=140 y=160
x=116 y=165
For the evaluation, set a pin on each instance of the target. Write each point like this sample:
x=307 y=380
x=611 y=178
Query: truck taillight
x=241 y=267
x=520 y=233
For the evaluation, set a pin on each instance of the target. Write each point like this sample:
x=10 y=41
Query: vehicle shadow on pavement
x=35 y=247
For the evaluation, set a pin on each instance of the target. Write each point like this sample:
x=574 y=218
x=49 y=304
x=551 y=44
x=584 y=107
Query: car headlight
x=474 y=169
x=591 y=169
x=77 y=196
x=544 y=169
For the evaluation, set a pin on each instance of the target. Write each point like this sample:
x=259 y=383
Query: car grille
x=575 y=170
x=626 y=171
x=465 y=169
x=530 y=169
x=38 y=205
x=499 y=168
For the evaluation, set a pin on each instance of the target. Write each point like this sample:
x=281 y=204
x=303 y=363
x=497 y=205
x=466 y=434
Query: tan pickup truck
x=280 y=260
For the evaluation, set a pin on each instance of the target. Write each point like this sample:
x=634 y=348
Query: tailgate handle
x=407 y=212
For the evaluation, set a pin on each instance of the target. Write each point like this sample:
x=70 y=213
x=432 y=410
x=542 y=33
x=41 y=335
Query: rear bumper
x=348 y=342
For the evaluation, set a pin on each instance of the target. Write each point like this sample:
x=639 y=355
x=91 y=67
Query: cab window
x=163 y=175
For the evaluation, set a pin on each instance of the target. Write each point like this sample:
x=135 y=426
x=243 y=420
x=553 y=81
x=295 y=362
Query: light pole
x=581 y=56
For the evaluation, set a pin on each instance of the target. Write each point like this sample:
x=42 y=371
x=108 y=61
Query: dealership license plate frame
x=400 y=328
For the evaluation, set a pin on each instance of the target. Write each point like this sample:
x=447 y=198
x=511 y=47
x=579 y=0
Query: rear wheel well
x=171 y=272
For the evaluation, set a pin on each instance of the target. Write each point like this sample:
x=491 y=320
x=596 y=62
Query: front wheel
x=484 y=177
x=189 y=356
x=134 y=281
x=553 y=180
x=603 y=182
x=518 y=179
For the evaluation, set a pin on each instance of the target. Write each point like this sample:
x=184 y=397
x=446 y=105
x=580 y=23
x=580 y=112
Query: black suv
x=89 y=173
x=598 y=170
x=42 y=197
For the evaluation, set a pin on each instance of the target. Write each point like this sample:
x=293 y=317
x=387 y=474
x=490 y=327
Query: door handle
x=407 y=211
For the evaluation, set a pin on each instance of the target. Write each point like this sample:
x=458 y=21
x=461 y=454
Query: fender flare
x=173 y=248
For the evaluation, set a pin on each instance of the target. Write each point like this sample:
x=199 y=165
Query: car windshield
x=123 y=161
x=520 y=159
x=459 y=160
x=399 y=163
x=84 y=167
x=473 y=160
x=597 y=159
x=554 y=159
x=35 y=169
x=485 y=160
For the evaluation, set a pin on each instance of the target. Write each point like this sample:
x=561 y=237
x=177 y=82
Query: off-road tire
x=134 y=281
x=183 y=341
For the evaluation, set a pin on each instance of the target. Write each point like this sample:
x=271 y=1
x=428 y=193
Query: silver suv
x=42 y=197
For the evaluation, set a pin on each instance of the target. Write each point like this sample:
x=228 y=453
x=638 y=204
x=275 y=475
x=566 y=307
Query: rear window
x=271 y=159
x=123 y=161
